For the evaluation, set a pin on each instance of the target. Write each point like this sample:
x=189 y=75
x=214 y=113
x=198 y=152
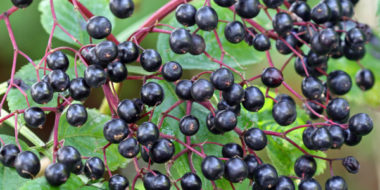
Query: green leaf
x=74 y=182
x=281 y=153
x=28 y=75
x=71 y=19
x=369 y=97
x=9 y=179
x=239 y=55
x=89 y=138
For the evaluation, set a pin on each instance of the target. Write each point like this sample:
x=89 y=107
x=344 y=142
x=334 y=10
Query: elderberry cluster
x=326 y=29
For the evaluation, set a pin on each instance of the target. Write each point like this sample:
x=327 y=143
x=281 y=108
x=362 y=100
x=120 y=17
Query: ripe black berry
x=312 y=88
x=307 y=136
x=122 y=8
x=273 y=3
x=301 y=9
x=223 y=105
x=305 y=166
x=247 y=8
x=171 y=71
x=253 y=99
x=284 y=113
x=59 y=80
x=152 y=94
x=234 y=32
x=145 y=153
x=183 y=89
x=355 y=37
x=282 y=23
x=180 y=41
x=351 y=164
x=285 y=183
x=322 y=138
x=118 y=182
x=284 y=48
x=338 y=109
x=335 y=8
x=127 y=52
x=128 y=111
x=191 y=181
x=185 y=14
x=350 y=138
x=99 y=27
x=76 y=115
x=156 y=182
x=210 y=123
x=232 y=150
x=57 y=60
x=150 y=60
x=320 y=13
x=117 y=72
x=22 y=3
x=316 y=107
x=162 y=150
x=339 y=82
x=252 y=163
x=222 y=79
x=8 y=154
x=199 y=45
x=360 y=124
x=225 y=120
x=79 y=90
x=284 y=97
x=202 y=90
x=235 y=170
x=115 y=130
x=266 y=176
x=212 y=168
x=129 y=147
x=365 y=79
x=337 y=136
x=255 y=139
x=94 y=168
x=272 y=77
x=234 y=95
x=89 y=54
x=261 y=42
x=336 y=183
x=309 y=184
x=314 y=60
x=95 y=76
x=34 y=117
x=56 y=174
x=41 y=92
x=70 y=157
x=225 y=3
x=27 y=164
x=106 y=51
x=147 y=133
x=206 y=18
x=189 y=125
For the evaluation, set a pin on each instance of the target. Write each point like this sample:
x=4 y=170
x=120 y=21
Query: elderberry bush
x=204 y=114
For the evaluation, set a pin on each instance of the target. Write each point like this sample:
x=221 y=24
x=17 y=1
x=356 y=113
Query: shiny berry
x=355 y=37
x=185 y=14
x=106 y=51
x=301 y=9
x=322 y=138
x=351 y=164
x=312 y=88
x=225 y=120
x=272 y=77
x=34 y=117
x=70 y=157
x=129 y=148
x=266 y=176
x=232 y=150
x=315 y=108
x=117 y=72
x=252 y=163
x=199 y=45
x=150 y=60
x=162 y=151
x=189 y=125
x=336 y=183
x=234 y=32
x=8 y=154
x=284 y=113
x=95 y=76
x=337 y=136
x=222 y=79
x=309 y=184
x=284 y=47
x=350 y=138
x=225 y=3
x=206 y=18
x=79 y=90
x=115 y=130
x=360 y=124
x=210 y=123
x=212 y=168
x=156 y=182
x=56 y=174
x=339 y=82
x=255 y=139
x=338 y=109
x=365 y=79
x=234 y=95
x=122 y=8
x=59 y=80
x=171 y=71
x=118 y=182
x=128 y=111
x=76 y=115
x=27 y=164
x=183 y=89
x=202 y=90
x=261 y=42
x=180 y=41
x=320 y=13
x=41 y=92
x=191 y=181
x=235 y=170
x=21 y=3
x=223 y=105
x=247 y=8
x=307 y=138
x=253 y=99
x=147 y=133
x=94 y=168
x=152 y=94
x=99 y=27
x=127 y=52
x=285 y=183
x=57 y=60
x=282 y=23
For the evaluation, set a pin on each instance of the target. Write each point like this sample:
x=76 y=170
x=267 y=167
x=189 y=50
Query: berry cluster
x=325 y=31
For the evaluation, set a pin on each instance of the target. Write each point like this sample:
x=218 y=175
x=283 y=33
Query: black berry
x=147 y=133
x=185 y=14
x=8 y=154
x=27 y=164
x=180 y=41
x=79 y=90
x=34 y=117
x=117 y=72
x=206 y=18
x=234 y=32
x=189 y=125
x=22 y=3
x=115 y=130
x=183 y=89
x=235 y=170
x=338 y=109
x=247 y=8
x=41 y=92
x=150 y=60
x=99 y=27
x=360 y=124
x=56 y=174
x=336 y=183
x=351 y=164
x=266 y=176
x=365 y=79
x=57 y=60
x=76 y=115
x=212 y=168
x=162 y=150
x=129 y=148
x=339 y=82
x=122 y=8
x=255 y=139
x=95 y=76
x=106 y=51
x=191 y=181
x=118 y=182
x=232 y=150
x=94 y=168
x=128 y=111
x=59 y=80
x=202 y=90
x=70 y=157
x=272 y=77
x=127 y=52
x=152 y=94
x=284 y=113
x=282 y=23
x=222 y=79
x=171 y=71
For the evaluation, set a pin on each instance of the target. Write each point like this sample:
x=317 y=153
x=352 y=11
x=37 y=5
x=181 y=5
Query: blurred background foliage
x=32 y=39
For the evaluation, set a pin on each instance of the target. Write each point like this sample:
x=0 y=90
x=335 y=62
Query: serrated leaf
x=28 y=75
x=281 y=154
x=71 y=19
x=74 y=182
x=89 y=139
x=239 y=55
x=369 y=97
